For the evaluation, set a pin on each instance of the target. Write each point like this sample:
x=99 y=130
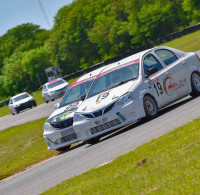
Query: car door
x=156 y=81
x=178 y=70
x=11 y=104
x=45 y=92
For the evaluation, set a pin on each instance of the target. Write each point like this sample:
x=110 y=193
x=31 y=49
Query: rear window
x=167 y=56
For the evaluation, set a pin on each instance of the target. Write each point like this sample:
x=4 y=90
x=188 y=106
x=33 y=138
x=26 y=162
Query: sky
x=16 y=12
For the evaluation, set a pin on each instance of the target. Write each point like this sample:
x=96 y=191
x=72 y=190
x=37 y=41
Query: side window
x=44 y=87
x=11 y=101
x=151 y=62
x=167 y=56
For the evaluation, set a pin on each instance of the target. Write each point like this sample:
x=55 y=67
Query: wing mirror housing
x=83 y=97
x=56 y=106
x=151 y=71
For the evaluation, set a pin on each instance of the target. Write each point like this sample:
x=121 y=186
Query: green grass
x=187 y=43
x=72 y=80
x=22 y=146
x=38 y=97
x=4 y=111
x=169 y=164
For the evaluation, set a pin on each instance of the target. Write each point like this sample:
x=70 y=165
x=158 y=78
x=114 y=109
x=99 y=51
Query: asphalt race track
x=84 y=157
x=42 y=110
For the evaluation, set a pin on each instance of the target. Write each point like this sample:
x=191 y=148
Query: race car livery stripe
x=53 y=81
x=75 y=83
x=118 y=67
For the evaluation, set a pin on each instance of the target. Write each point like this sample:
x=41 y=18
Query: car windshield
x=74 y=94
x=115 y=78
x=54 y=84
x=21 y=97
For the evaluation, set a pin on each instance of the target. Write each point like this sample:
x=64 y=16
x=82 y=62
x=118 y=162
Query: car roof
x=131 y=59
x=20 y=94
x=53 y=81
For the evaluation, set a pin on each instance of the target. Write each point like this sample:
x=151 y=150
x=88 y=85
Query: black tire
x=46 y=101
x=195 y=83
x=93 y=140
x=17 y=111
x=150 y=107
x=52 y=100
x=12 y=113
x=63 y=149
x=34 y=104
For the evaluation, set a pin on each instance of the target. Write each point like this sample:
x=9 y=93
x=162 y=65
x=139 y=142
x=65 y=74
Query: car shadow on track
x=167 y=109
x=71 y=148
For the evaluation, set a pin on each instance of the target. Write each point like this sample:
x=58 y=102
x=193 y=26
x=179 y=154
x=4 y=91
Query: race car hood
x=23 y=100
x=64 y=113
x=58 y=87
x=105 y=98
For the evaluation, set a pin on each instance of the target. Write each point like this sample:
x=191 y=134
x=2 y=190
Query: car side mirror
x=151 y=71
x=83 y=97
x=56 y=106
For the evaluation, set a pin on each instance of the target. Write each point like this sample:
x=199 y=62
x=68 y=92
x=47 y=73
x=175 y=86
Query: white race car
x=54 y=89
x=58 y=129
x=136 y=87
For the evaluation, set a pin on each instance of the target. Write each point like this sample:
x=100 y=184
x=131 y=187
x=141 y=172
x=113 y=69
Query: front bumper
x=25 y=105
x=59 y=138
x=117 y=117
x=57 y=94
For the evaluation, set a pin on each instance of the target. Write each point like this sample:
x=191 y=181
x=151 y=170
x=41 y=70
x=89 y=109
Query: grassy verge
x=38 y=97
x=187 y=43
x=4 y=111
x=72 y=80
x=169 y=164
x=22 y=146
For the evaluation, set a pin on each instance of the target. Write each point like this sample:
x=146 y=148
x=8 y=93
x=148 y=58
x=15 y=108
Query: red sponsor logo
x=154 y=81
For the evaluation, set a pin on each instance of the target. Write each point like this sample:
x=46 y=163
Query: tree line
x=84 y=33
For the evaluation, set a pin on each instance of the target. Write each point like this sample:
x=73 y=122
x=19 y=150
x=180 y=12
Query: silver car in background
x=21 y=102
x=54 y=89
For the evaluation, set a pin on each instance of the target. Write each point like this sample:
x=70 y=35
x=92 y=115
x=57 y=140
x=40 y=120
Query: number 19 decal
x=158 y=88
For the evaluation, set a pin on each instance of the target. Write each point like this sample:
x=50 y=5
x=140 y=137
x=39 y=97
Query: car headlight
x=79 y=117
x=125 y=99
x=47 y=127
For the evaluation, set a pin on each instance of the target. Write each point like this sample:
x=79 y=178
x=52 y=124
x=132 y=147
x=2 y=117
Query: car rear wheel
x=195 y=83
x=93 y=140
x=63 y=148
x=150 y=107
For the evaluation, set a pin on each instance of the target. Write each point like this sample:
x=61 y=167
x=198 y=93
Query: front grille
x=109 y=108
x=62 y=124
x=69 y=138
x=99 y=112
x=88 y=115
x=105 y=126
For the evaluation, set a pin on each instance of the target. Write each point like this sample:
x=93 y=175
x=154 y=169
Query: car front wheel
x=63 y=148
x=150 y=107
x=195 y=83
x=93 y=140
